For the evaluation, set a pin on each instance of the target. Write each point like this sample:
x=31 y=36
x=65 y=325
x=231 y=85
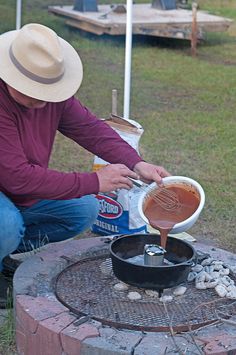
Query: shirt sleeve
x=24 y=181
x=95 y=135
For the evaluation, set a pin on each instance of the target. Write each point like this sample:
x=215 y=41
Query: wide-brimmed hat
x=40 y=64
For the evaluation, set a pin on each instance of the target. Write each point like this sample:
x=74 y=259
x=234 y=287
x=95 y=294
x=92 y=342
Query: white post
x=18 y=14
x=128 y=50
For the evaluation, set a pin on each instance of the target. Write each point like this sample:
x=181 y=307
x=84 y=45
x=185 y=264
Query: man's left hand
x=150 y=172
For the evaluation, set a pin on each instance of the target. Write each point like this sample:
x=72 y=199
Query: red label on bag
x=109 y=208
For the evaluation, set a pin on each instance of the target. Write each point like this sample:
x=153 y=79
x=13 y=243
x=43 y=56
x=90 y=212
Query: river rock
x=191 y=276
x=166 y=299
x=207 y=261
x=212 y=283
x=197 y=268
x=201 y=277
x=121 y=286
x=223 y=272
x=134 y=296
x=231 y=294
x=226 y=281
x=200 y=285
x=152 y=293
x=179 y=291
x=221 y=290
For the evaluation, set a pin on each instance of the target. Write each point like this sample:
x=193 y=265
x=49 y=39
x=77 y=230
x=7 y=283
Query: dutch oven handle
x=109 y=238
x=190 y=263
x=201 y=256
x=193 y=261
x=197 y=258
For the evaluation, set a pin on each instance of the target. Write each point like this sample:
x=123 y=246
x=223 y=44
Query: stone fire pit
x=44 y=326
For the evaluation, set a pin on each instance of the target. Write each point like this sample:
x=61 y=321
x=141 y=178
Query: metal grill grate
x=86 y=290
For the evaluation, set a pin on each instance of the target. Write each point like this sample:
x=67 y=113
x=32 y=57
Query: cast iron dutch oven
x=178 y=252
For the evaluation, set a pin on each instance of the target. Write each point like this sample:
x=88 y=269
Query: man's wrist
x=137 y=166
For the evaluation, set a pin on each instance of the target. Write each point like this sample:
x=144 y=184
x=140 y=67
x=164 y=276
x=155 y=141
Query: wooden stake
x=114 y=102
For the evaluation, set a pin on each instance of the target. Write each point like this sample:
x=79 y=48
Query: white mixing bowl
x=170 y=180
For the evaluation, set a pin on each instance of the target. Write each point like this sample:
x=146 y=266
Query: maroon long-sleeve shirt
x=26 y=140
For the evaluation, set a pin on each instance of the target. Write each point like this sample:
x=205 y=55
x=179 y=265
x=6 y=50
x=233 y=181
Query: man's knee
x=93 y=208
x=86 y=214
x=11 y=223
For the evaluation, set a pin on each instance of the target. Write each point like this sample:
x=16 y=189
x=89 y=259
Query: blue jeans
x=25 y=228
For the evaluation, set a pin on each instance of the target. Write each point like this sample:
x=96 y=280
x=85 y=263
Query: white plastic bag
x=119 y=209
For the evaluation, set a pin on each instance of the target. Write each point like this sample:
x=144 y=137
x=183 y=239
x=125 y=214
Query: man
x=40 y=73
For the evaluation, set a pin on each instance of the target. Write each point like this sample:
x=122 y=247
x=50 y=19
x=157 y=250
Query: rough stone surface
x=45 y=326
x=159 y=343
x=221 y=344
x=32 y=310
x=105 y=346
x=47 y=338
x=30 y=316
x=72 y=336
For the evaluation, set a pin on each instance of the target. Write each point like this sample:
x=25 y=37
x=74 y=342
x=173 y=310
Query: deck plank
x=146 y=20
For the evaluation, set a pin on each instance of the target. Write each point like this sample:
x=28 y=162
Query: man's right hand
x=114 y=176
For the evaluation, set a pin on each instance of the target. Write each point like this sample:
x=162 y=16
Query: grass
x=7 y=330
x=186 y=105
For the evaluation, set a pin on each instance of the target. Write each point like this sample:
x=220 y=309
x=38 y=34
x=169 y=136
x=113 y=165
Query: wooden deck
x=146 y=21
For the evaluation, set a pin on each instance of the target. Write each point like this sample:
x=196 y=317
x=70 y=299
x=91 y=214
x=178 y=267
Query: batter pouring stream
x=164 y=220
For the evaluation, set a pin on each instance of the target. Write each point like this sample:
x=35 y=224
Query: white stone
x=232 y=269
x=231 y=288
x=191 y=276
x=121 y=286
x=197 y=268
x=200 y=285
x=231 y=294
x=106 y=267
x=134 y=296
x=218 y=267
x=179 y=291
x=207 y=261
x=221 y=290
x=226 y=281
x=201 y=277
x=152 y=293
x=215 y=275
x=165 y=299
x=212 y=283
x=224 y=272
x=217 y=262
x=209 y=269
x=208 y=277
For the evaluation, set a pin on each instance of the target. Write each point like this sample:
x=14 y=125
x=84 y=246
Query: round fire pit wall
x=44 y=324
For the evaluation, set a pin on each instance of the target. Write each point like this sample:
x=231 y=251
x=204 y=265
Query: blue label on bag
x=113 y=219
x=109 y=208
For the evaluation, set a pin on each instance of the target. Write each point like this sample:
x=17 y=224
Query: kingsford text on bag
x=119 y=209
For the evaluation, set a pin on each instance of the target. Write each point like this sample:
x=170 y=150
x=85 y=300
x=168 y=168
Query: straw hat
x=39 y=64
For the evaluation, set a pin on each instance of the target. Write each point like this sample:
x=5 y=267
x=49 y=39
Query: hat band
x=31 y=75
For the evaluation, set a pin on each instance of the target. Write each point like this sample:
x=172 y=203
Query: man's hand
x=114 y=176
x=150 y=172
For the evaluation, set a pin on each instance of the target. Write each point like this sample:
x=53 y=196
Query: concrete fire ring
x=46 y=327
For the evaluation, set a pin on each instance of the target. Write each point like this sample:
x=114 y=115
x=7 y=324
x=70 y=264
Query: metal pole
x=194 y=30
x=128 y=50
x=18 y=14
